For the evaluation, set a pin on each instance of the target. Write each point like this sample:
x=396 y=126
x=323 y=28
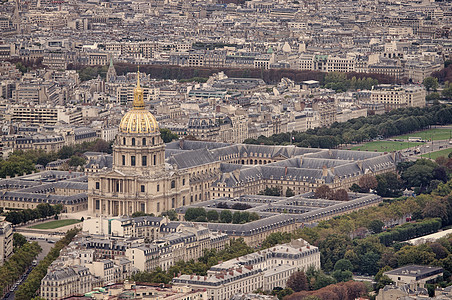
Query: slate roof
x=193 y=158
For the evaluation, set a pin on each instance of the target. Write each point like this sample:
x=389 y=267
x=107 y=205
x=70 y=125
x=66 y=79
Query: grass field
x=55 y=224
x=436 y=134
x=385 y=146
x=436 y=154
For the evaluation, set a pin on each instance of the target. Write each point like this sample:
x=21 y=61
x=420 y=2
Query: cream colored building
x=393 y=96
x=6 y=241
x=264 y=270
x=62 y=282
x=140 y=180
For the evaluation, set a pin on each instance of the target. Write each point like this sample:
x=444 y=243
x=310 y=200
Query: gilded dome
x=138 y=120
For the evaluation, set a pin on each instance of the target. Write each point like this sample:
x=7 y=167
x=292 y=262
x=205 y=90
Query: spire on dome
x=138 y=101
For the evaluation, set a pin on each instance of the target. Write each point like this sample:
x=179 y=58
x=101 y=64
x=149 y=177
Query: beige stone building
x=140 y=180
x=63 y=282
x=394 y=97
x=6 y=241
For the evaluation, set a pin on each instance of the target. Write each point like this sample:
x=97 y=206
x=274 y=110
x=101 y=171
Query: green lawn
x=436 y=154
x=55 y=224
x=385 y=146
x=436 y=134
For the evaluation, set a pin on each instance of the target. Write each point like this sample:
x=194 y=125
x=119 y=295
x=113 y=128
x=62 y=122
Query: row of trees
x=339 y=82
x=422 y=175
x=400 y=121
x=177 y=72
x=27 y=290
x=199 y=214
x=23 y=162
x=16 y=265
x=409 y=231
x=41 y=211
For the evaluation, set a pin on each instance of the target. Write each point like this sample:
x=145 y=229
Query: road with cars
x=46 y=242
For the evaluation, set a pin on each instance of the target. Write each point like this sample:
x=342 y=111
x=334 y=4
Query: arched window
x=144 y=141
x=173 y=184
x=133 y=141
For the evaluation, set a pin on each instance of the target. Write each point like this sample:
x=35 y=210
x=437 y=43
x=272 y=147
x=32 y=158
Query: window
x=183 y=181
x=97 y=204
x=173 y=184
x=143 y=207
x=133 y=141
x=153 y=141
x=183 y=201
x=144 y=161
x=97 y=185
x=142 y=188
x=123 y=141
x=132 y=160
x=117 y=187
x=158 y=187
x=155 y=159
x=144 y=142
x=173 y=202
x=123 y=160
x=158 y=206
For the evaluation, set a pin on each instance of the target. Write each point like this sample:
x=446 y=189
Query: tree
x=18 y=240
x=339 y=195
x=323 y=192
x=212 y=215
x=167 y=135
x=343 y=270
x=195 y=214
x=431 y=83
x=389 y=185
x=271 y=191
x=289 y=192
x=65 y=152
x=355 y=188
x=76 y=161
x=368 y=182
x=375 y=226
x=298 y=281
x=171 y=214
x=226 y=216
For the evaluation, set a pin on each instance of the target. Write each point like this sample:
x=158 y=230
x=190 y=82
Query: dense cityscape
x=225 y=149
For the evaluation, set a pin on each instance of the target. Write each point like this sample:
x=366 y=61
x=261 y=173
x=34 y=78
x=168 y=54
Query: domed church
x=139 y=180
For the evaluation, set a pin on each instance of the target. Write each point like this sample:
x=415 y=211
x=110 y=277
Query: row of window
x=144 y=160
x=143 y=141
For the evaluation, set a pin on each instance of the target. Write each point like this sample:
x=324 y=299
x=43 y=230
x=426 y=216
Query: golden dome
x=138 y=120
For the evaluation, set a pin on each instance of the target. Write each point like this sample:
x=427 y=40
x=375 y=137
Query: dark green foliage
x=18 y=240
x=16 y=265
x=271 y=191
x=399 y=121
x=226 y=216
x=409 y=231
x=42 y=210
x=167 y=135
x=29 y=287
x=193 y=214
x=171 y=214
x=375 y=226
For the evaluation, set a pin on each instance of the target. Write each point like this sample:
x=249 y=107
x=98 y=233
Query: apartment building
x=62 y=282
x=44 y=115
x=396 y=96
x=6 y=241
x=264 y=270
